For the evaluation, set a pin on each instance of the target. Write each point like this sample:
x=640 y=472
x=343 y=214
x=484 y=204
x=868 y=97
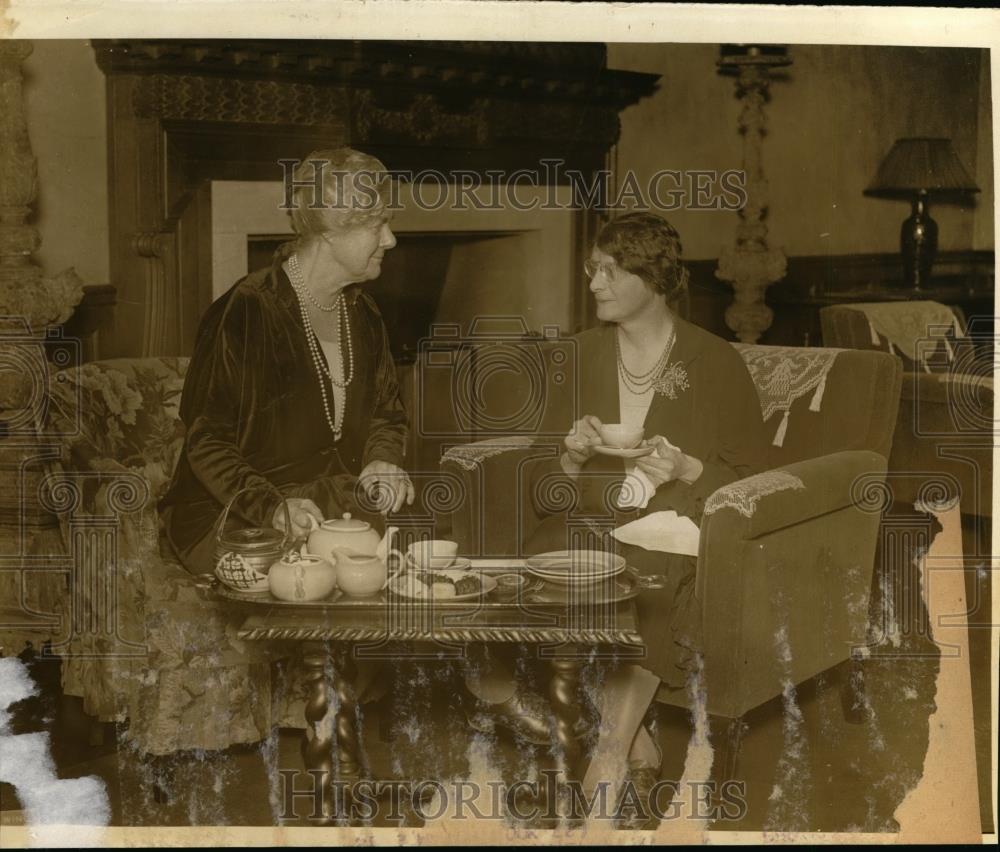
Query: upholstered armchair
x=140 y=641
x=785 y=557
x=943 y=445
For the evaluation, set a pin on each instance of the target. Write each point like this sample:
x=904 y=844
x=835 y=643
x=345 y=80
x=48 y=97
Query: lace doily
x=744 y=495
x=782 y=374
x=905 y=324
x=471 y=456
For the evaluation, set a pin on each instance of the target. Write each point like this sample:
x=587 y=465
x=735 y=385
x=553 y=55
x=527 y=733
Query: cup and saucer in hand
x=622 y=442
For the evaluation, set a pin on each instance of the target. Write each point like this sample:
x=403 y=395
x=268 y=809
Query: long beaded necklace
x=640 y=383
x=323 y=373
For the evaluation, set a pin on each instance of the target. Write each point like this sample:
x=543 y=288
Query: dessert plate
x=410 y=586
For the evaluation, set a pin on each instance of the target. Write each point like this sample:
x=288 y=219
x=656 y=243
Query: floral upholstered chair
x=140 y=641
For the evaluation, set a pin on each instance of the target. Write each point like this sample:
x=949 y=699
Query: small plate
x=404 y=584
x=635 y=453
x=611 y=590
x=594 y=562
x=575 y=568
x=577 y=581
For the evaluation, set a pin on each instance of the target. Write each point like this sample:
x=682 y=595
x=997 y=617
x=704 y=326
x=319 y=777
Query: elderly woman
x=692 y=395
x=291 y=392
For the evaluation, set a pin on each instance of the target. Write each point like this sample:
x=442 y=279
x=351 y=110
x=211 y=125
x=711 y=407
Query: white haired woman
x=292 y=389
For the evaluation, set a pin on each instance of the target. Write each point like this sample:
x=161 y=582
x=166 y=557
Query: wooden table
x=330 y=634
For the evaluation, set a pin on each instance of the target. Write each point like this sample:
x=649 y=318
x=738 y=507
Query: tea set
x=345 y=553
x=348 y=554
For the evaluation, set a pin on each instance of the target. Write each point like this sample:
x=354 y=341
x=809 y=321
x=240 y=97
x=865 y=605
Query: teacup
x=435 y=554
x=620 y=436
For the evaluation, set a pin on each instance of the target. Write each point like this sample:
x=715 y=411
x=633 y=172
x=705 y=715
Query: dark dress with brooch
x=709 y=410
x=254 y=416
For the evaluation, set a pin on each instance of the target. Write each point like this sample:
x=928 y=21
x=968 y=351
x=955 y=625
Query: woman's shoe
x=525 y=714
x=640 y=779
x=522 y=715
x=634 y=810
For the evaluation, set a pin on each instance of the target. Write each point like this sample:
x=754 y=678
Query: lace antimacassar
x=744 y=495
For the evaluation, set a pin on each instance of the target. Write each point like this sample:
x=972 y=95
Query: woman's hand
x=667 y=463
x=582 y=439
x=300 y=511
x=387 y=485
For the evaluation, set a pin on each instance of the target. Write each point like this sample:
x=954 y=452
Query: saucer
x=441 y=563
x=634 y=453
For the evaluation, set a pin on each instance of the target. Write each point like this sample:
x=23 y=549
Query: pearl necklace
x=293 y=267
x=640 y=383
x=336 y=423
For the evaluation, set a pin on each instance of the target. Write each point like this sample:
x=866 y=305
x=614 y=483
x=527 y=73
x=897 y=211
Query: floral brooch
x=673 y=379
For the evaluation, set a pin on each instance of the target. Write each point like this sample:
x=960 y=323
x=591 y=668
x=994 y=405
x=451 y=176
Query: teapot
x=300 y=578
x=345 y=533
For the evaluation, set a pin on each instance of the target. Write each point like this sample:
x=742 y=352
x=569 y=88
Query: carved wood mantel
x=183 y=113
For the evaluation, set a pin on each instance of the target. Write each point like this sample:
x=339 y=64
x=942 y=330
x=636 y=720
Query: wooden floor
x=804 y=767
x=820 y=774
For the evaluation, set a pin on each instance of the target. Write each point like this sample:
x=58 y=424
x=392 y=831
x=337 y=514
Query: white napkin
x=637 y=488
x=667 y=532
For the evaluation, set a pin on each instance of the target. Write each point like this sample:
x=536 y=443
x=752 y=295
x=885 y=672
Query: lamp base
x=918 y=238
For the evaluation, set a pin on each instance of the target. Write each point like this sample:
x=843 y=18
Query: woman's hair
x=648 y=246
x=337 y=189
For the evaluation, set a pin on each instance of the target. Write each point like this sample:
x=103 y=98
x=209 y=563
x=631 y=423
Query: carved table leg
x=326 y=670
x=348 y=744
x=317 y=746
x=565 y=697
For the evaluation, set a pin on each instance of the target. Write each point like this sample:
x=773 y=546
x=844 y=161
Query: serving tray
x=613 y=590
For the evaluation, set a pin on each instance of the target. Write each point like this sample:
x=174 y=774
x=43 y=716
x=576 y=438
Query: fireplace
x=188 y=118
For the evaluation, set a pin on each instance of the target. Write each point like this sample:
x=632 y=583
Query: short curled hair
x=647 y=245
x=338 y=189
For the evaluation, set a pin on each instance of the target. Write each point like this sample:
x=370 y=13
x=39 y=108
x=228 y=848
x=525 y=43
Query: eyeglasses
x=607 y=270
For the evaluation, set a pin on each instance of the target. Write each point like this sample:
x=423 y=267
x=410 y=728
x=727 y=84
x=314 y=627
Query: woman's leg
x=623 y=701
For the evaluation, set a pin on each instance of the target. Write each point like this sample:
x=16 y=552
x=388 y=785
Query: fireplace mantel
x=184 y=113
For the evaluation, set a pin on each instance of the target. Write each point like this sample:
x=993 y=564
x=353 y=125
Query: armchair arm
x=791 y=495
x=795 y=563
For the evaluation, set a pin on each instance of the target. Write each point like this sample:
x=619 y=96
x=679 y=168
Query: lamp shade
x=921 y=164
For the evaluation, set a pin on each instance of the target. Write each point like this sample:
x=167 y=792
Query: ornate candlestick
x=30 y=304
x=751 y=266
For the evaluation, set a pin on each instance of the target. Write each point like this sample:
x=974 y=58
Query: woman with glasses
x=291 y=391
x=690 y=393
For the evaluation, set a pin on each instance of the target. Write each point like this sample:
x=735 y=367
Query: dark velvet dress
x=254 y=417
x=716 y=419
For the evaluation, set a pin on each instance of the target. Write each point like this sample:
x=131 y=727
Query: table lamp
x=915 y=169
